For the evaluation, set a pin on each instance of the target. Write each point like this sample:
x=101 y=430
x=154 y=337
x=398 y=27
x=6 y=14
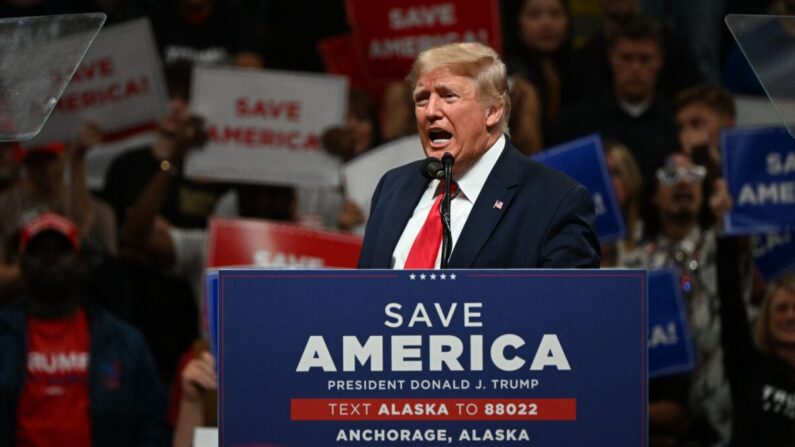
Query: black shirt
x=187 y=204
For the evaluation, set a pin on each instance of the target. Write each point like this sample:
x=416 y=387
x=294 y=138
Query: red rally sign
x=390 y=33
x=243 y=242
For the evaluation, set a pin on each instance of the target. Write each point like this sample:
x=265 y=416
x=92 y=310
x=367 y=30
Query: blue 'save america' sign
x=583 y=159
x=759 y=167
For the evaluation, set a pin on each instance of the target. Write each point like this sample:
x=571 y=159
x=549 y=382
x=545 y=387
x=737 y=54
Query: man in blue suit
x=508 y=212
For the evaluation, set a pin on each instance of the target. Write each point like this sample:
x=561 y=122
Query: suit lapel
x=494 y=200
x=396 y=219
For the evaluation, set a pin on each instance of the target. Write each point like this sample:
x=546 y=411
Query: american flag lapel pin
x=498 y=204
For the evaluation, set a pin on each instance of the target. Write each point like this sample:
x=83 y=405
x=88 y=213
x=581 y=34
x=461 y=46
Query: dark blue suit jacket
x=546 y=220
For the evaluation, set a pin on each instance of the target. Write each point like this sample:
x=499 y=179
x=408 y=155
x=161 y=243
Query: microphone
x=447 y=235
x=447 y=163
x=432 y=168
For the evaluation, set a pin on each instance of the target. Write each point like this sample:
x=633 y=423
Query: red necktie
x=425 y=248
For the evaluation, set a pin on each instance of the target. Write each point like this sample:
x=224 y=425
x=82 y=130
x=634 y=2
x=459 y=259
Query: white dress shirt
x=469 y=187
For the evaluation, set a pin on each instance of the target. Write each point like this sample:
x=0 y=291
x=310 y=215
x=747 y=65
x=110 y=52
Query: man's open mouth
x=439 y=137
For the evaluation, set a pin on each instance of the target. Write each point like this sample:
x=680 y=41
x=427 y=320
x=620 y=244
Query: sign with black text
x=542 y=358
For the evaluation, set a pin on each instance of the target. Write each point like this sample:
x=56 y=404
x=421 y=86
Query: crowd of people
x=99 y=289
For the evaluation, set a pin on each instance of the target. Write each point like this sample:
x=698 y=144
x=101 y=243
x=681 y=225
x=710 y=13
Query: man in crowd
x=701 y=112
x=508 y=211
x=632 y=110
x=680 y=237
x=70 y=373
x=680 y=68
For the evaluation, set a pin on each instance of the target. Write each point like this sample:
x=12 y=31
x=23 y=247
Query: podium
x=383 y=357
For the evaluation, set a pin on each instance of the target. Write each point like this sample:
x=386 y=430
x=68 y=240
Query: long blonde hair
x=630 y=173
x=762 y=329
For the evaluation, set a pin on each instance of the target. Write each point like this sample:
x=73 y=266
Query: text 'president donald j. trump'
x=508 y=211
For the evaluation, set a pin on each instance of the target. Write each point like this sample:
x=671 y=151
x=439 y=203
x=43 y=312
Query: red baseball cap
x=48 y=222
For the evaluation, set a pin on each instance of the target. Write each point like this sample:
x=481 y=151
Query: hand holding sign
x=188 y=135
x=720 y=202
x=89 y=136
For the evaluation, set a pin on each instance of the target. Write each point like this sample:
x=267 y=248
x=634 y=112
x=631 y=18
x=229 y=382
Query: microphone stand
x=444 y=212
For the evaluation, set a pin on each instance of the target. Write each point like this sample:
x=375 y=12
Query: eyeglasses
x=670 y=175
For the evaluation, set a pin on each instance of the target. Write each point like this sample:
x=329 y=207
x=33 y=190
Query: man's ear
x=494 y=114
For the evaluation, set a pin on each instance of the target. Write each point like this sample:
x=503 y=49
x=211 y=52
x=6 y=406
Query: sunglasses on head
x=670 y=175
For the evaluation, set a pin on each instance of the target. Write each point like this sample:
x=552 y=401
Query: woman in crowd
x=542 y=54
x=761 y=375
x=627 y=184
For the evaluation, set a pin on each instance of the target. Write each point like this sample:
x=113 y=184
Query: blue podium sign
x=583 y=160
x=383 y=357
x=670 y=344
x=759 y=168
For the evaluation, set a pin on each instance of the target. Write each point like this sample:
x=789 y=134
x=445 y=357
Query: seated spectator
x=678 y=236
x=627 y=185
x=44 y=187
x=108 y=394
x=701 y=112
x=631 y=110
x=543 y=55
x=679 y=67
x=763 y=396
x=206 y=32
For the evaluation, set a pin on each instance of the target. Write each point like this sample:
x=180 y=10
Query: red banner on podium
x=390 y=33
x=243 y=242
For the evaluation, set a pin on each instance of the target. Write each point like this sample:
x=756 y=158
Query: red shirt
x=54 y=405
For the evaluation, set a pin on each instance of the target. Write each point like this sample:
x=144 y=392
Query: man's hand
x=190 y=134
x=198 y=377
x=720 y=202
x=90 y=135
x=350 y=216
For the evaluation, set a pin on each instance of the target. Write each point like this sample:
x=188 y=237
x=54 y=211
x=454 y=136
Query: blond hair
x=762 y=329
x=473 y=60
x=630 y=173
